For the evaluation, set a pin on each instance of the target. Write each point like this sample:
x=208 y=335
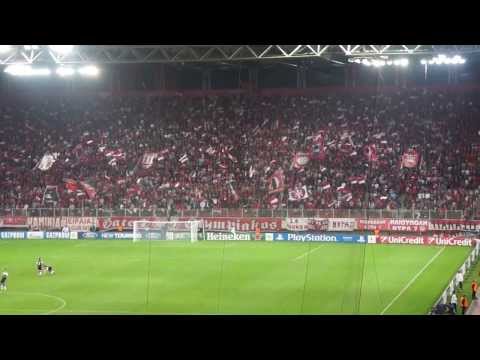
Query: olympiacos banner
x=393 y=225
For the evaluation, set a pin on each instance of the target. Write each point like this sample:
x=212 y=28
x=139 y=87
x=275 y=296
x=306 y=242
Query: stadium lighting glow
x=64 y=71
x=389 y=62
x=5 y=48
x=89 y=71
x=403 y=62
x=423 y=62
x=26 y=70
x=30 y=47
x=61 y=49
x=445 y=60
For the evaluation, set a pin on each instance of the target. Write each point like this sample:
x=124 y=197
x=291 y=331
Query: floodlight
x=389 y=62
x=404 y=62
x=423 y=62
x=26 y=70
x=89 y=70
x=366 y=62
x=5 y=48
x=30 y=47
x=64 y=71
x=61 y=49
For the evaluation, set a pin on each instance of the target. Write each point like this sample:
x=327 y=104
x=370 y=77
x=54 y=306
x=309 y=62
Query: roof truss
x=117 y=54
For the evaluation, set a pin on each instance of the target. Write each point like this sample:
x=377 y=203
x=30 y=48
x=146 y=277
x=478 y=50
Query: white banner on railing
x=341 y=224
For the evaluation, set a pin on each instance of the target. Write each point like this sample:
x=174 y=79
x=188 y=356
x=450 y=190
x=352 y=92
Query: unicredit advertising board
x=425 y=240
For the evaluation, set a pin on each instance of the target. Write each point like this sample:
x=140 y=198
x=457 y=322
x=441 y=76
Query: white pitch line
x=308 y=252
x=412 y=280
x=64 y=303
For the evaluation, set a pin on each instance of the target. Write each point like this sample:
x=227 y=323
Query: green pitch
x=216 y=277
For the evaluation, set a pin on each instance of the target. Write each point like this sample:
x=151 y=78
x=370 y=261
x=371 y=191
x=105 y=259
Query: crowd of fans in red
x=221 y=152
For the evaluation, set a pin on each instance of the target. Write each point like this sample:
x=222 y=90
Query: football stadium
x=239 y=179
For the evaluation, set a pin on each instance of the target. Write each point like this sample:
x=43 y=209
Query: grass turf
x=217 y=277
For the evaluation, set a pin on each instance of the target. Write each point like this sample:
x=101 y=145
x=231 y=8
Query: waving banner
x=277 y=182
x=298 y=194
x=370 y=152
x=410 y=159
x=47 y=161
x=89 y=189
x=147 y=159
x=117 y=154
x=318 y=147
x=300 y=159
x=71 y=185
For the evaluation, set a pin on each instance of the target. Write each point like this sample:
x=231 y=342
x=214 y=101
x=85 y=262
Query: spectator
x=453 y=303
x=474 y=289
x=459 y=278
x=464 y=304
x=220 y=152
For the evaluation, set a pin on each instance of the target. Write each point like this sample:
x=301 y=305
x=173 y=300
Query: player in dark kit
x=3 y=280
x=50 y=269
x=40 y=266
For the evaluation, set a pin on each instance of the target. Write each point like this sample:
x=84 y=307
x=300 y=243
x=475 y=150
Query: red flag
x=277 y=182
x=370 y=152
x=71 y=184
x=318 y=147
x=89 y=189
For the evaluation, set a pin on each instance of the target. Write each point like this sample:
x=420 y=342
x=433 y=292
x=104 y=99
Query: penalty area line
x=412 y=281
x=306 y=253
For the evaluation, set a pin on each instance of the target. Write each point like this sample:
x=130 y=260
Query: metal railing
x=282 y=213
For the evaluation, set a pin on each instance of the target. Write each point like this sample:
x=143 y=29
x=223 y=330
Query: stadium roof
x=117 y=54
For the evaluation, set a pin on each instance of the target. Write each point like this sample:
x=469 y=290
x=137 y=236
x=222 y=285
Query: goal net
x=189 y=231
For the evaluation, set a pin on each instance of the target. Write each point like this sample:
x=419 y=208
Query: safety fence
x=280 y=213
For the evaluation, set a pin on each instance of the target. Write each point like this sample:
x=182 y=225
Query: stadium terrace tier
x=386 y=150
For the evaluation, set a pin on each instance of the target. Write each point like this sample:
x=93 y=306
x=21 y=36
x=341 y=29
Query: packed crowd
x=242 y=151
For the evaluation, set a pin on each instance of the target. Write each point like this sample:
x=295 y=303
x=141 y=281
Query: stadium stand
x=239 y=151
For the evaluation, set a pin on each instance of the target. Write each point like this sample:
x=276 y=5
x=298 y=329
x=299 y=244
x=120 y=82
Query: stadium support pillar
x=161 y=77
x=350 y=75
x=301 y=77
x=206 y=79
x=253 y=77
x=347 y=75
